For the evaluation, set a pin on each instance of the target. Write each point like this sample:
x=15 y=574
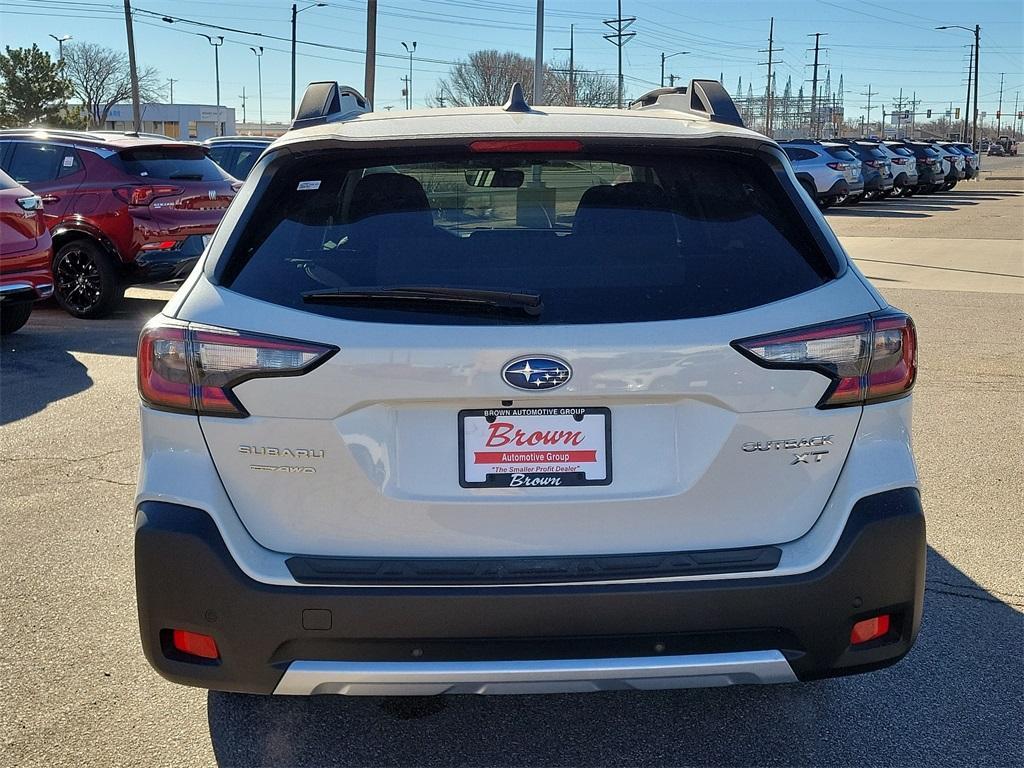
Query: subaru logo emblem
x=536 y=373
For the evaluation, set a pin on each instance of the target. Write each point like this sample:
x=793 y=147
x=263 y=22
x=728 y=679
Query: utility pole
x=967 y=106
x=899 y=115
x=440 y=100
x=977 y=45
x=999 y=109
x=259 y=79
x=815 y=130
x=665 y=56
x=242 y=97
x=869 y=93
x=172 y=81
x=408 y=86
x=768 y=97
x=370 y=75
x=619 y=38
x=405 y=89
x=538 y=61
x=133 y=69
x=672 y=80
x=572 y=66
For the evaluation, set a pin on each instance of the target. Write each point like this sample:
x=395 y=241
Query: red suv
x=121 y=209
x=24 y=254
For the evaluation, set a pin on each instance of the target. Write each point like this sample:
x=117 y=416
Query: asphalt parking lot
x=77 y=691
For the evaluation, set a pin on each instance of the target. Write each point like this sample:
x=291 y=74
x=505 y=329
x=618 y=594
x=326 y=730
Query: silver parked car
x=904 y=168
x=829 y=172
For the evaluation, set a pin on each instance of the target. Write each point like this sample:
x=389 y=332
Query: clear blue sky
x=869 y=43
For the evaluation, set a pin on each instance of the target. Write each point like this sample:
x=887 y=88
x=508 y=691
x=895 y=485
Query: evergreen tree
x=33 y=89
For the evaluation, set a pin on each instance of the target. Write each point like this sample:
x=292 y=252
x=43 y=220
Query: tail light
x=194 y=644
x=899 y=161
x=145 y=195
x=838 y=166
x=191 y=369
x=869 y=359
x=872 y=163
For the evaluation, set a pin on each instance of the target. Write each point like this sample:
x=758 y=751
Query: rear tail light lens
x=145 y=195
x=899 y=160
x=194 y=644
x=163 y=245
x=872 y=163
x=838 y=166
x=870 y=629
x=191 y=369
x=868 y=359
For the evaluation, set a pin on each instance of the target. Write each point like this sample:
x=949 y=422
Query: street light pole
x=977 y=45
x=60 y=42
x=259 y=79
x=295 y=12
x=216 y=65
x=408 y=89
x=668 y=56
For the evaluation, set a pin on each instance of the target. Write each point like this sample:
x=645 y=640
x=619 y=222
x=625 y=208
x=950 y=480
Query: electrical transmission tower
x=867 y=124
x=619 y=37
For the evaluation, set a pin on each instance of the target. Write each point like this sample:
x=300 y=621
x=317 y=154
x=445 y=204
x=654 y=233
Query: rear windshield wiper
x=530 y=303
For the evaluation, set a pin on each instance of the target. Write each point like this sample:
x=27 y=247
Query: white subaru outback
x=513 y=400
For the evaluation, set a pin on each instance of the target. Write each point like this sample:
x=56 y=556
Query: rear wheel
x=948 y=186
x=899 y=186
x=85 y=280
x=14 y=316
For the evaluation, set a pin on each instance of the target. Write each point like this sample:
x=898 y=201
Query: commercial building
x=179 y=121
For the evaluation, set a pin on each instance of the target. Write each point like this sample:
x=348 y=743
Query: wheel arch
x=68 y=232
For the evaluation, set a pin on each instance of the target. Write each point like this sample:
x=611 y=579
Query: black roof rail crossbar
x=706 y=98
x=327 y=102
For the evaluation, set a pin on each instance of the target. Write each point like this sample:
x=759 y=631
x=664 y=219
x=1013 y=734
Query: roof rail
x=59 y=132
x=702 y=98
x=328 y=102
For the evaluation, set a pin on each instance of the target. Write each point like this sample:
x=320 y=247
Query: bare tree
x=101 y=79
x=486 y=78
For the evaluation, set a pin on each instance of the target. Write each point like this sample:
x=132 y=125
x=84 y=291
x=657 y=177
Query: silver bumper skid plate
x=405 y=678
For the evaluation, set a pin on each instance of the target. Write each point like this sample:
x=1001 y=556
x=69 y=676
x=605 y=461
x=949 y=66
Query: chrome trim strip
x=408 y=678
x=16 y=287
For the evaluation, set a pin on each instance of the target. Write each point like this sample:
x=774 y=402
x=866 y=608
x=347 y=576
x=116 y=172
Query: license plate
x=535 y=447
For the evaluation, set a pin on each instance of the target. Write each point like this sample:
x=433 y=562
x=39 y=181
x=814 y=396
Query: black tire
x=948 y=186
x=853 y=199
x=14 y=316
x=899 y=186
x=85 y=280
x=909 y=191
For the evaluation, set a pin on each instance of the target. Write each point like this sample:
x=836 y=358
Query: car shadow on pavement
x=878 y=212
x=955 y=700
x=38 y=364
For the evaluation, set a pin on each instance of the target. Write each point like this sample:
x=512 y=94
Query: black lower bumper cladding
x=186 y=579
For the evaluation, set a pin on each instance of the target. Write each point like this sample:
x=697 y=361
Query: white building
x=179 y=121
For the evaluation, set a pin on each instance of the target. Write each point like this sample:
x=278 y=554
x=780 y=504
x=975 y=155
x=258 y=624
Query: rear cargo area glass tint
x=182 y=163
x=602 y=238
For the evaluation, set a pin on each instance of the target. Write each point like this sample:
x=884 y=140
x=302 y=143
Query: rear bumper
x=393 y=640
x=33 y=285
x=171 y=264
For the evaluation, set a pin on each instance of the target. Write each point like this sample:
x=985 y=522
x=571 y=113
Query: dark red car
x=25 y=254
x=122 y=209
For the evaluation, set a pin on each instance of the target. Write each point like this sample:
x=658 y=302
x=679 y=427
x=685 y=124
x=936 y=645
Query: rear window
x=841 y=154
x=184 y=163
x=603 y=238
x=872 y=151
x=902 y=151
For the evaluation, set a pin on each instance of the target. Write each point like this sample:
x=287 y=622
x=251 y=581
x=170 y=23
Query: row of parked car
x=83 y=215
x=847 y=171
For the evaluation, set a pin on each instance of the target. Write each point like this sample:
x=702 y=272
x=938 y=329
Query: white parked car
x=503 y=400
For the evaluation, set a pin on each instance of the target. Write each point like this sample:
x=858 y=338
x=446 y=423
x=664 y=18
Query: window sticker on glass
x=68 y=161
x=308 y=185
